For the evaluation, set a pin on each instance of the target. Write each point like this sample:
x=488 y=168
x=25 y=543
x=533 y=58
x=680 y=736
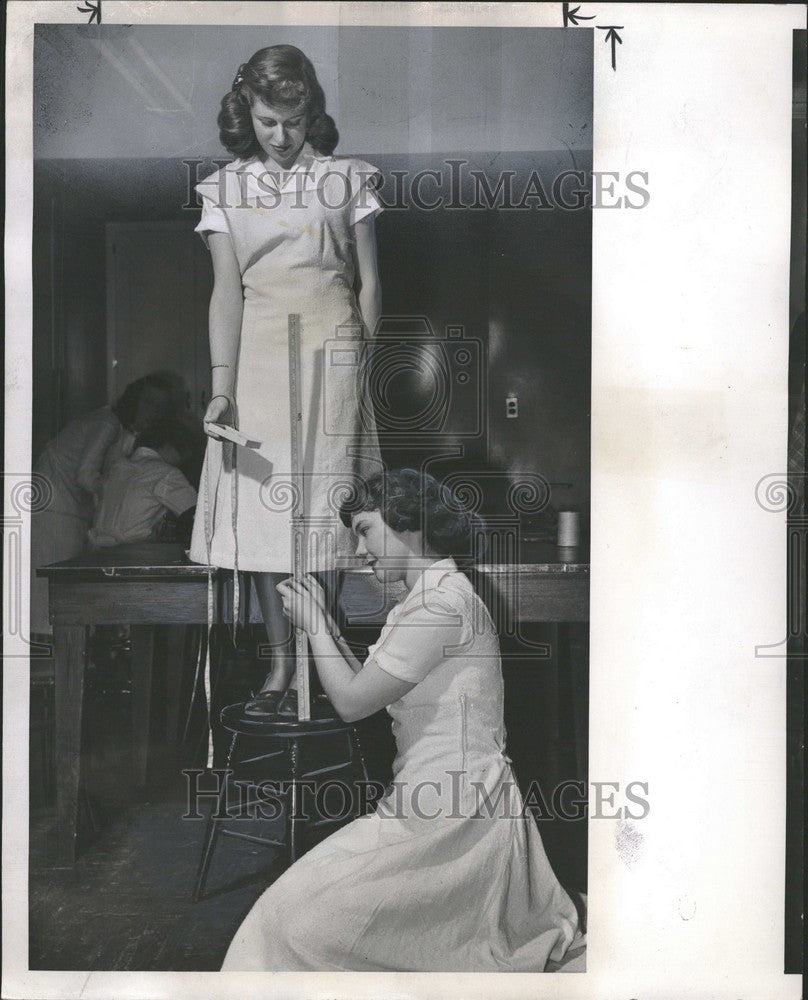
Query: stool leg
x=291 y=815
x=212 y=832
x=356 y=747
x=356 y=757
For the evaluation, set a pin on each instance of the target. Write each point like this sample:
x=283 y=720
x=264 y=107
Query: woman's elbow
x=226 y=302
x=371 y=288
x=350 y=713
x=88 y=482
x=349 y=710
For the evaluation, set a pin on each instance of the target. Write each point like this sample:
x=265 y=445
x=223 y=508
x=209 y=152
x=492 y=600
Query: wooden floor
x=126 y=904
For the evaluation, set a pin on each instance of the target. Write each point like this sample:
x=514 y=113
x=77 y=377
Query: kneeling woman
x=446 y=874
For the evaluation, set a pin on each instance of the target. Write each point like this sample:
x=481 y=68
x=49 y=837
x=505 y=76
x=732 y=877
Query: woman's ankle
x=276 y=680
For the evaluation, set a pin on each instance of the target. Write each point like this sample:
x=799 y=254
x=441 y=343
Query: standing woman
x=290 y=229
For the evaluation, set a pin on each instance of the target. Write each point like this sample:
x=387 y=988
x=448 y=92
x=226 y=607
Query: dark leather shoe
x=265 y=704
x=288 y=704
x=321 y=707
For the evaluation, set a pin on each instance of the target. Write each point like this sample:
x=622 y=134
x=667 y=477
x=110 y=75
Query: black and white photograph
x=405 y=500
x=315 y=313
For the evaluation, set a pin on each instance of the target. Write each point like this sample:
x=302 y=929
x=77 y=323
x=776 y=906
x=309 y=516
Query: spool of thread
x=569 y=528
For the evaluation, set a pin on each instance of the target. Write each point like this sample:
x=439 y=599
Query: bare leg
x=282 y=676
x=279 y=631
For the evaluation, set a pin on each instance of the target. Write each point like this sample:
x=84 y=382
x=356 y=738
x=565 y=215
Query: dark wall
x=73 y=201
x=154 y=90
x=517 y=280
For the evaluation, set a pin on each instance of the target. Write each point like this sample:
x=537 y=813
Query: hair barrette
x=239 y=77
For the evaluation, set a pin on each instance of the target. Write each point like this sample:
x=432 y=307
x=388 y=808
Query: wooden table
x=154 y=584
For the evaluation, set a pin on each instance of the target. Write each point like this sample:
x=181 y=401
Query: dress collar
x=305 y=159
x=432 y=576
x=302 y=175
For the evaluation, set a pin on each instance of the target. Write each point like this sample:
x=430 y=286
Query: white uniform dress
x=447 y=874
x=292 y=233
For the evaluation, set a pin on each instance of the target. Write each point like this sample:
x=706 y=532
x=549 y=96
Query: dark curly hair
x=282 y=77
x=126 y=406
x=409 y=500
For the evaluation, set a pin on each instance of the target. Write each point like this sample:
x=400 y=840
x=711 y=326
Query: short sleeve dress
x=449 y=873
x=137 y=493
x=293 y=237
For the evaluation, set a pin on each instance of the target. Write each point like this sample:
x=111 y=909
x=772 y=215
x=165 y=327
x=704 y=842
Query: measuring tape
x=298 y=526
x=298 y=539
x=228 y=449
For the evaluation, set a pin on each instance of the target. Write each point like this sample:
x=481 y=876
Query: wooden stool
x=286 y=738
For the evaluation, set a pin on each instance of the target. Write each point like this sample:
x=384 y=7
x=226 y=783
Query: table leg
x=552 y=703
x=580 y=700
x=175 y=643
x=70 y=649
x=142 y=665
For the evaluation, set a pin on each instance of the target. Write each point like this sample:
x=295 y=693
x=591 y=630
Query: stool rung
x=263 y=756
x=326 y=770
x=271 y=796
x=326 y=821
x=249 y=836
x=275 y=788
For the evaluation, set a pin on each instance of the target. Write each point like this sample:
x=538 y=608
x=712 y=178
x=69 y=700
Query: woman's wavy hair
x=409 y=500
x=282 y=77
x=126 y=406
